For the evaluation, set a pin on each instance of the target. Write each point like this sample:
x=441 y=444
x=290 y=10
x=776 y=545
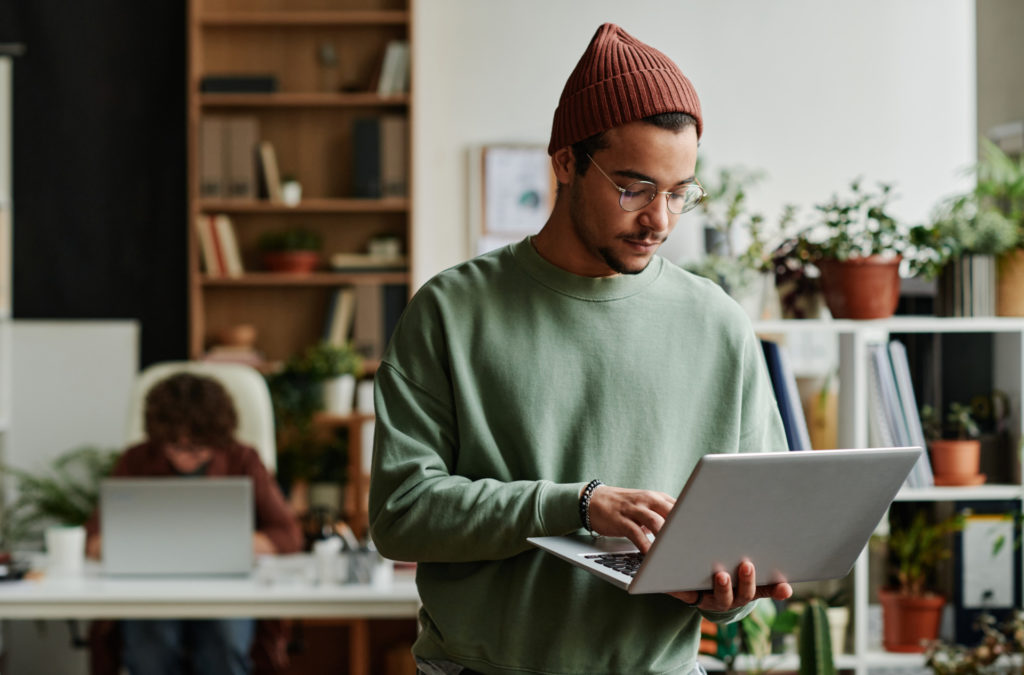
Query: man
x=190 y=423
x=516 y=378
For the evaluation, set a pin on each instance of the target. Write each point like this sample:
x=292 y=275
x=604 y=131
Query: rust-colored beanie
x=619 y=80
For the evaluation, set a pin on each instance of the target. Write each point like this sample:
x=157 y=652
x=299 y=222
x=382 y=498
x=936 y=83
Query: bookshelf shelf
x=287 y=99
x=282 y=280
x=854 y=340
x=325 y=206
x=303 y=18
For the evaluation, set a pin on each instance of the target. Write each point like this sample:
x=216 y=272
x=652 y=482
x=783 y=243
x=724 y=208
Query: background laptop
x=798 y=516
x=177 y=526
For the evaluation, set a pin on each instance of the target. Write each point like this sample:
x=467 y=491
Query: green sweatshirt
x=508 y=384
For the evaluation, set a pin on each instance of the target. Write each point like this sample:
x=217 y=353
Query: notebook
x=177 y=526
x=798 y=516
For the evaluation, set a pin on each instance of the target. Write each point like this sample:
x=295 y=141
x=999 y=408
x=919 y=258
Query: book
x=238 y=84
x=908 y=401
x=270 y=175
x=211 y=157
x=368 y=331
x=340 y=316
x=379 y=157
x=394 y=69
x=242 y=135
x=367 y=262
x=787 y=396
x=394 y=173
x=378 y=309
x=206 y=246
x=888 y=423
x=225 y=234
x=366 y=158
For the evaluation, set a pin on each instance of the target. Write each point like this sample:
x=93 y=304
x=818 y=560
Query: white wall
x=814 y=93
x=71 y=381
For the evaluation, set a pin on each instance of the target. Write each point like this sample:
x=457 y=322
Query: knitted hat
x=619 y=80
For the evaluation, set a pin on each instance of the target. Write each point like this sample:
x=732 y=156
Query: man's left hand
x=725 y=597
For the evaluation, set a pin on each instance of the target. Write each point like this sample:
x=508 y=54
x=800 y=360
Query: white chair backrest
x=248 y=390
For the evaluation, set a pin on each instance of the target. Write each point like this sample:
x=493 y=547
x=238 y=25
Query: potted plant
x=323 y=376
x=1000 y=186
x=295 y=250
x=856 y=247
x=53 y=505
x=953 y=445
x=745 y=274
x=910 y=611
x=959 y=247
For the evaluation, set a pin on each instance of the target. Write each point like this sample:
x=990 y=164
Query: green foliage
x=725 y=212
x=959 y=423
x=857 y=225
x=961 y=226
x=1000 y=184
x=64 y=494
x=296 y=392
x=753 y=635
x=918 y=549
x=815 y=642
x=293 y=239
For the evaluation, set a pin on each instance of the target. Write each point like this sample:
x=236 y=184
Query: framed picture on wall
x=516 y=189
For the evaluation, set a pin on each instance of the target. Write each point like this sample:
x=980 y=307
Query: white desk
x=261 y=595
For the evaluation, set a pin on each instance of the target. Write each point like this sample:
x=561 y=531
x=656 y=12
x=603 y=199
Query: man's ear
x=563 y=163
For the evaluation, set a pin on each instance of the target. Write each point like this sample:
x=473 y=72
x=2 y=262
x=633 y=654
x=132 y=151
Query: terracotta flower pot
x=955 y=462
x=294 y=262
x=861 y=288
x=909 y=621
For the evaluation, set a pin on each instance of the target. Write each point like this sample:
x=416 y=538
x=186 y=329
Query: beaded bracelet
x=585 y=503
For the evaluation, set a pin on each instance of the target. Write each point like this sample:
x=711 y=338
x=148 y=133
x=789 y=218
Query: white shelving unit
x=853 y=339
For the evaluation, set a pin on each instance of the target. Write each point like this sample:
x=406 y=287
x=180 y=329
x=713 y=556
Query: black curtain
x=99 y=164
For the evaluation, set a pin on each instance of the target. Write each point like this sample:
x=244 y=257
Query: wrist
x=584 y=505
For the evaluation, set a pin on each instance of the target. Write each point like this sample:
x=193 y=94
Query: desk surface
x=260 y=595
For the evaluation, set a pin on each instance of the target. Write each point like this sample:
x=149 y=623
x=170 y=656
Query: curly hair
x=192 y=407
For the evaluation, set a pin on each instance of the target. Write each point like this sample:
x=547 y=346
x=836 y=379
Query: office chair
x=248 y=390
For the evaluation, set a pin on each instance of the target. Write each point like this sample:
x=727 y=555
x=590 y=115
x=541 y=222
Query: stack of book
x=218 y=245
x=893 y=418
x=366 y=315
x=787 y=395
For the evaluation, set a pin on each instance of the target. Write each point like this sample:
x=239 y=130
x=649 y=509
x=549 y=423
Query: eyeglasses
x=639 y=194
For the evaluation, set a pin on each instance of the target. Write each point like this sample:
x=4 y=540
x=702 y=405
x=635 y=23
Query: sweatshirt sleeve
x=273 y=517
x=421 y=511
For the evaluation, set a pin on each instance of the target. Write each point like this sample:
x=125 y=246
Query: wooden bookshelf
x=308 y=118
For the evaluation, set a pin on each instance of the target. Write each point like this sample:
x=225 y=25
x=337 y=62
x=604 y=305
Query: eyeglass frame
x=668 y=193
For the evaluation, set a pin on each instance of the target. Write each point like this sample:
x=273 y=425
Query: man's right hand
x=622 y=512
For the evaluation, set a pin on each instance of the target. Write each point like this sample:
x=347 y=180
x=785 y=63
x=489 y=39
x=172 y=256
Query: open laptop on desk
x=177 y=526
x=798 y=516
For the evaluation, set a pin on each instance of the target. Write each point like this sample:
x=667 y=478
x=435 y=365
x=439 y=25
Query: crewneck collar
x=584 y=288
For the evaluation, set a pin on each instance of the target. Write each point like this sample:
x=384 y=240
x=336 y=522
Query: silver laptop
x=798 y=516
x=177 y=526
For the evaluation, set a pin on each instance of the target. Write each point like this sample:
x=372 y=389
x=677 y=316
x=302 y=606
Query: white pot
x=340 y=394
x=65 y=550
x=838 y=620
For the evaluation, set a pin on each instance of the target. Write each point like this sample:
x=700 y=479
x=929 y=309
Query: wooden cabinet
x=323 y=58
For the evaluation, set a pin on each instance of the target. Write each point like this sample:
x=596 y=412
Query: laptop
x=798 y=516
x=177 y=526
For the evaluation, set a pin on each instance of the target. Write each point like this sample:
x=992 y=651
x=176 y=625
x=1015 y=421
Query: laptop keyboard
x=624 y=563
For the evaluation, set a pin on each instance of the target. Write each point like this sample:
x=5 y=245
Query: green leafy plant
x=296 y=392
x=1000 y=184
x=918 y=548
x=959 y=422
x=961 y=226
x=853 y=226
x=726 y=214
x=292 y=239
x=65 y=493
